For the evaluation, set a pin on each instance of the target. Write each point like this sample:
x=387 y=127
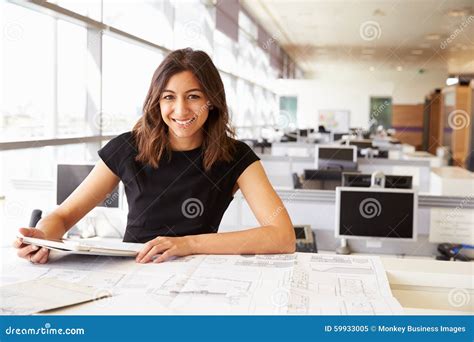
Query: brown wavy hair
x=151 y=132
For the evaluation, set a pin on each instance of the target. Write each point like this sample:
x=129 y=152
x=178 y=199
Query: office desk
x=422 y=286
x=431 y=287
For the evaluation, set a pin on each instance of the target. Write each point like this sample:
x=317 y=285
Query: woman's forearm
x=53 y=226
x=260 y=240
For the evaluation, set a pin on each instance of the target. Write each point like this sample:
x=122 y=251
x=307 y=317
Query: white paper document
x=38 y=295
x=91 y=247
x=286 y=284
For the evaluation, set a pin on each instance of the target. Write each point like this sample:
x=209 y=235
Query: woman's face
x=184 y=108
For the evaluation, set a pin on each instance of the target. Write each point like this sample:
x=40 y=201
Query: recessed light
x=368 y=51
x=425 y=45
x=433 y=36
x=378 y=13
x=372 y=68
x=399 y=68
x=417 y=52
x=457 y=13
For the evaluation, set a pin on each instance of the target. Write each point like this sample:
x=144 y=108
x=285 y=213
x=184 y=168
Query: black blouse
x=178 y=198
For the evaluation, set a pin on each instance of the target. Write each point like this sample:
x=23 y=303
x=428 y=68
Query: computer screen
x=335 y=156
x=361 y=144
x=376 y=213
x=364 y=180
x=69 y=177
x=300 y=232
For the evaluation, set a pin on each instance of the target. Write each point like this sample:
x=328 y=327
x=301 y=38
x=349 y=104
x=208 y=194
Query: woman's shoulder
x=243 y=152
x=125 y=141
x=122 y=145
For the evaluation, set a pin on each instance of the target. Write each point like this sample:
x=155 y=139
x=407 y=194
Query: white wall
x=345 y=86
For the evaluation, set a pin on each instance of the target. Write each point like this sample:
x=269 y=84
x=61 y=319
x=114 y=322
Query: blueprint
x=286 y=284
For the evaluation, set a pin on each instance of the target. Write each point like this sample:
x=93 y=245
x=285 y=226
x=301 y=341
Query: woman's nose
x=180 y=108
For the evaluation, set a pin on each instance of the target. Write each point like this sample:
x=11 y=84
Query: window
x=72 y=74
x=127 y=73
x=28 y=83
x=149 y=20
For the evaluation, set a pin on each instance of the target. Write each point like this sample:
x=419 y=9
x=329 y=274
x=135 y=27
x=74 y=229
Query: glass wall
x=88 y=75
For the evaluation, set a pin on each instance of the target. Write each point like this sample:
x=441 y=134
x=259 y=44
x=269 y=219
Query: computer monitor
x=69 y=176
x=361 y=144
x=376 y=213
x=363 y=180
x=303 y=133
x=335 y=157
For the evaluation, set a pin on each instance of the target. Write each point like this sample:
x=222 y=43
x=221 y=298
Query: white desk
x=431 y=287
x=422 y=286
x=451 y=181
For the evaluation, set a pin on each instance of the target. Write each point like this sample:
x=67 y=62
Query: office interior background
x=391 y=80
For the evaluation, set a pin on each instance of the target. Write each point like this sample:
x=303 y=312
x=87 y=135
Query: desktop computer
x=70 y=176
x=339 y=157
x=363 y=180
x=376 y=213
x=107 y=219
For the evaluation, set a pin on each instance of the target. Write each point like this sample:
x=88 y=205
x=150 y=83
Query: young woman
x=180 y=166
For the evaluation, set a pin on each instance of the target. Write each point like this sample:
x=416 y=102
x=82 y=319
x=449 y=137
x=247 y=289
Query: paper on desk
x=452 y=225
x=38 y=295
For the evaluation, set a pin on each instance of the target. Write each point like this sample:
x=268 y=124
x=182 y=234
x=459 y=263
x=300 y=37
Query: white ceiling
x=403 y=34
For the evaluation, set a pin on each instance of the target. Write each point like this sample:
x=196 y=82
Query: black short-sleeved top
x=178 y=198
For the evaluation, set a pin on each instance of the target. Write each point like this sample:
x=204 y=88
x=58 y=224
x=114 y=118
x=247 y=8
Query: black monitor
x=321 y=179
x=363 y=180
x=340 y=157
x=70 y=176
x=303 y=133
x=361 y=144
x=376 y=213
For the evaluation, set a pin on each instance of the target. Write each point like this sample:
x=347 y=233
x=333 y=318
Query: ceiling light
x=457 y=13
x=368 y=51
x=372 y=68
x=425 y=45
x=452 y=81
x=399 y=68
x=417 y=52
x=433 y=36
x=378 y=13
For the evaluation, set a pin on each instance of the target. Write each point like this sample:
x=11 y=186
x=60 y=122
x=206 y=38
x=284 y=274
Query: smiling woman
x=180 y=166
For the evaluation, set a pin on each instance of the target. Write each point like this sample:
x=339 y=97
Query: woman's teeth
x=185 y=122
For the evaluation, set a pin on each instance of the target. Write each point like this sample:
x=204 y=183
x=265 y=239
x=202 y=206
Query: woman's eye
x=168 y=97
x=194 y=97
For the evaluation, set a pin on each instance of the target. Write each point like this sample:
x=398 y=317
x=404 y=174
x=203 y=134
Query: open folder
x=91 y=247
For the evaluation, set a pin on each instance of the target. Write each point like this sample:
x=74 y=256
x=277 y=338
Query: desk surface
x=422 y=286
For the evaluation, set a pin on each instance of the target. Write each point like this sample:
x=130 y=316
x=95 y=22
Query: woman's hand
x=32 y=253
x=166 y=246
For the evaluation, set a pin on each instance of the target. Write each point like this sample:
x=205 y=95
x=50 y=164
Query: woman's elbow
x=288 y=242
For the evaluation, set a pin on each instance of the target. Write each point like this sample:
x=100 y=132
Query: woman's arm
x=93 y=190
x=275 y=234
